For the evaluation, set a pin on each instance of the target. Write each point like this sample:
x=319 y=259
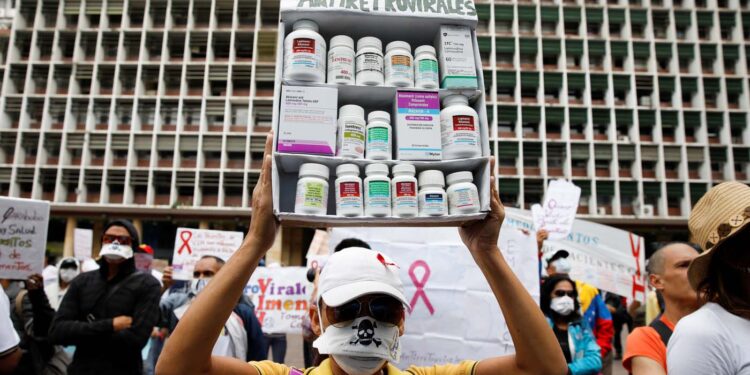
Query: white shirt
x=8 y=335
x=710 y=341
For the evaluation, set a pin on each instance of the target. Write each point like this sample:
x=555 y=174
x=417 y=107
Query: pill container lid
x=370 y=41
x=314 y=170
x=381 y=115
x=457 y=177
x=305 y=25
x=425 y=48
x=455 y=99
x=377 y=168
x=431 y=177
x=342 y=41
x=397 y=44
x=347 y=168
x=404 y=168
x=352 y=110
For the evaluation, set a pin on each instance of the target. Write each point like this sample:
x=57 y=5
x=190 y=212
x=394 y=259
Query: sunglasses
x=562 y=293
x=383 y=309
x=122 y=240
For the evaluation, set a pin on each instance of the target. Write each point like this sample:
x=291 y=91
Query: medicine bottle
x=305 y=53
x=432 y=199
x=404 y=191
x=399 y=66
x=463 y=197
x=377 y=191
x=426 y=68
x=348 y=191
x=460 y=129
x=379 y=140
x=341 y=61
x=312 y=190
x=352 y=128
x=369 y=62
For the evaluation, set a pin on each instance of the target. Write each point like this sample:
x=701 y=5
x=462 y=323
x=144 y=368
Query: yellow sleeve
x=462 y=368
x=270 y=368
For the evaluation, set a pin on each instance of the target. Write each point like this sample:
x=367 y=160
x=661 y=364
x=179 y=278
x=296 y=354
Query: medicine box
x=307 y=120
x=417 y=125
x=455 y=49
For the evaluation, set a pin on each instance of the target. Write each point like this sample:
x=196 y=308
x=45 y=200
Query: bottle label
x=433 y=203
x=341 y=67
x=349 y=195
x=427 y=70
x=459 y=130
x=399 y=66
x=303 y=45
x=405 y=195
x=304 y=53
x=378 y=194
x=463 y=123
x=463 y=197
x=377 y=140
x=369 y=62
x=312 y=195
x=352 y=139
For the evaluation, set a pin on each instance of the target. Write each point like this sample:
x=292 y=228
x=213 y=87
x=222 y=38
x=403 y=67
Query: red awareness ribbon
x=420 y=284
x=635 y=249
x=382 y=260
x=185 y=236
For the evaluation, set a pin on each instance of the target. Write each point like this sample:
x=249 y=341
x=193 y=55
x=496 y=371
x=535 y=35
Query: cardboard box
x=307 y=120
x=417 y=128
x=455 y=50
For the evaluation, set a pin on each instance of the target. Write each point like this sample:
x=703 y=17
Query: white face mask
x=114 y=251
x=68 y=274
x=365 y=339
x=358 y=365
x=562 y=265
x=562 y=305
x=197 y=285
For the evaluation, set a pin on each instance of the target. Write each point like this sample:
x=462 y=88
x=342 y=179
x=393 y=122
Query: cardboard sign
x=23 y=237
x=281 y=296
x=191 y=245
x=83 y=241
x=455 y=9
x=559 y=209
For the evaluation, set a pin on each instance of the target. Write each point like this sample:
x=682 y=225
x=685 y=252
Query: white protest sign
x=83 y=241
x=281 y=296
x=442 y=283
x=192 y=244
x=608 y=258
x=559 y=208
x=23 y=237
x=317 y=261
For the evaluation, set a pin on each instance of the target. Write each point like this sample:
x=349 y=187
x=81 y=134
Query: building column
x=138 y=224
x=70 y=228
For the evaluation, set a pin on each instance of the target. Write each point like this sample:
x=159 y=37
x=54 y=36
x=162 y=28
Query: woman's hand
x=481 y=236
x=263 y=224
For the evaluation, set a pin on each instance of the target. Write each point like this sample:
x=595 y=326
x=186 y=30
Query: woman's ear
x=314 y=321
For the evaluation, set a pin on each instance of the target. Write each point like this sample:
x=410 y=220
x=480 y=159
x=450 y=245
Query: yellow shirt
x=463 y=368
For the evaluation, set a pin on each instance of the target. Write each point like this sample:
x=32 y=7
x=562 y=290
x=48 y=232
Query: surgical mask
x=562 y=305
x=364 y=339
x=197 y=285
x=114 y=251
x=358 y=365
x=68 y=274
x=562 y=265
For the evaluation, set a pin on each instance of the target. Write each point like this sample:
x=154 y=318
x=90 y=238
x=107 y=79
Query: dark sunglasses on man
x=382 y=308
x=561 y=293
x=122 y=240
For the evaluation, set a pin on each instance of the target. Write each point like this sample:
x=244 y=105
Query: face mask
x=358 y=365
x=197 y=285
x=114 y=250
x=562 y=305
x=364 y=339
x=562 y=265
x=68 y=274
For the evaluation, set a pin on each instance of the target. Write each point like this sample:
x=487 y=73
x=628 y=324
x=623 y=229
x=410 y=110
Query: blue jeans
x=277 y=344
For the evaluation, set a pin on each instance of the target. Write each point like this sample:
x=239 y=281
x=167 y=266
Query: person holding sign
x=374 y=302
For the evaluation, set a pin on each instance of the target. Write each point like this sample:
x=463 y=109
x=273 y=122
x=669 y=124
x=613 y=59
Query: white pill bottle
x=305 y=53
x=432 y=198
x=312 y=190
x=426 y=68
x=463 y=197
x=369 y=62
x=379 y=136
x=352 y=129
x=348 y=191
x=341 y=61
x=459 y=125
x=399 y=65
x=404 y=191
x=377 y=191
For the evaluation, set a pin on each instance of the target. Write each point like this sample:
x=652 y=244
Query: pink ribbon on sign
x=185 y=236
x=420 y=284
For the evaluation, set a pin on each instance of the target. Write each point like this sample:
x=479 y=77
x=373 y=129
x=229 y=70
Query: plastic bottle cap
x=404 y=168
x=455 y=99
x=397 y=44
x=376 y=168
x=457 y=177
x=424 y=49
x=306 y=25
x=431 y=177
x=342 y=41
x=347 y=169
x=352 y=110
x=314 y=170
x=370 y=41
x=380 y=115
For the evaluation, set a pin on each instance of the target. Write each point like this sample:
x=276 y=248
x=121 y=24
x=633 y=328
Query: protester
x=616 y=304
x=559 y=302
x=49 y=273
x=68 y=269
x=646 y=348
x=361 y=287
x=109 y=313
x=10 y=354
x=716 y=338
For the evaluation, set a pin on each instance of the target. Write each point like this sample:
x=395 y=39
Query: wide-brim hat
x=721 y=213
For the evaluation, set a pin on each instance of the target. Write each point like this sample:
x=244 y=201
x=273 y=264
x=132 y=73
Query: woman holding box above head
x=361 y=312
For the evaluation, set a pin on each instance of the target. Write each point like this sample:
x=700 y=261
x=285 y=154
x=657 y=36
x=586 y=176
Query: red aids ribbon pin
x=185 y=236
x=420 y=284
x=382 y=260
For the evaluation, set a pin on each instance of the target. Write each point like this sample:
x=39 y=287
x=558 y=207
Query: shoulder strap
x=664 y=332
x=19 y=303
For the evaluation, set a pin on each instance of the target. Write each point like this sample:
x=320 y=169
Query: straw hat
x=718 y=215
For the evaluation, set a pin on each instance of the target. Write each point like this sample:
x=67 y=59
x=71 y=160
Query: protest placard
x=83 y=241
x=23 y=237
x=558 y=210
x=192 y=244
x=281 y=296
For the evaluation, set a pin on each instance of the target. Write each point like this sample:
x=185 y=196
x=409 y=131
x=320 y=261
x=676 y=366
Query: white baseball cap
x=356 y=271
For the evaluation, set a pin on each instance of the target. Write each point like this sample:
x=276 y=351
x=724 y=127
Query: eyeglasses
x=561 y=293
x=122 y=240
x=382 y=308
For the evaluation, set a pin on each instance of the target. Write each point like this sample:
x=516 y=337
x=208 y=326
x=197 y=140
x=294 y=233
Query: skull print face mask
x=364 y=337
